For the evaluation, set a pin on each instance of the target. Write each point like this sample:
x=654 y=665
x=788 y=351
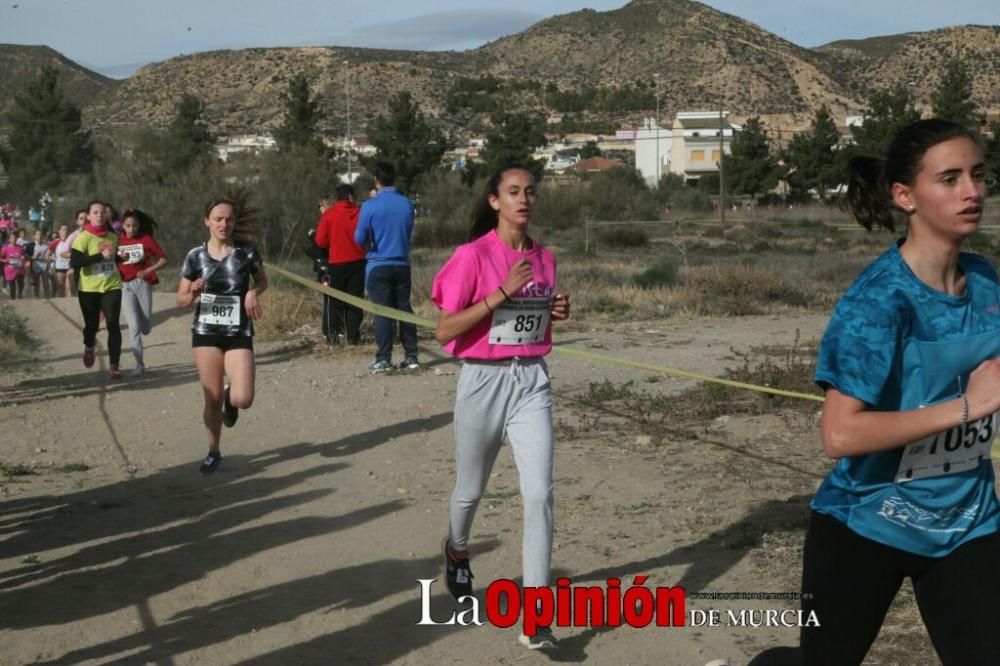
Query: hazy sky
x=105 y=34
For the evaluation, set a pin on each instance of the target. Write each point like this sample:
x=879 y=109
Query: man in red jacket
x=347 y=266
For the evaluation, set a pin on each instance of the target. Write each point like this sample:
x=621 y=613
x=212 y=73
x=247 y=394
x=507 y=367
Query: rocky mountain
x=20 y=64
x=703 y=57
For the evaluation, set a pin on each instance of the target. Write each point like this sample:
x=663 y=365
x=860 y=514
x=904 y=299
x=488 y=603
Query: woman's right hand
x=197 y=286
x=983 y=392
x=520 y=274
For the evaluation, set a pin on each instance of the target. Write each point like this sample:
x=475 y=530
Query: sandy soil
x=306 y=546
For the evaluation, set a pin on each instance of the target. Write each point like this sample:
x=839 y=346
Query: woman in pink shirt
x=497 y=296
x=13 y=257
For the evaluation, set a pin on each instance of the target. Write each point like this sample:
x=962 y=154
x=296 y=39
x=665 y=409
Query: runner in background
x=497 y=295
x=73 y=276
x=910 y=363
x=216 y=279
x=40 y=281
x=100 y=288
x=14 y=258
x=140 y=256
x=61 y=252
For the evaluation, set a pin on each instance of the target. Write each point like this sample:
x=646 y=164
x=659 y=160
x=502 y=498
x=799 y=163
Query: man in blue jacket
x=384 y=227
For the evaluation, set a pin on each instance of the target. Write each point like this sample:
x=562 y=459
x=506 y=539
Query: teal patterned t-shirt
x=896 y=344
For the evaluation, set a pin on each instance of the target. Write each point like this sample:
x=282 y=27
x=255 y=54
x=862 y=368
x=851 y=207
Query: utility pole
x=347 y=138
x=657 y=78
x=722 y=176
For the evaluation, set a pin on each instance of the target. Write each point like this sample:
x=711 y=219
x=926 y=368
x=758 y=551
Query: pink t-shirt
x=519 y=327
x=16 y=254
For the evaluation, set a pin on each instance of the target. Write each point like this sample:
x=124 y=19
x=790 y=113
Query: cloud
x=440 y=31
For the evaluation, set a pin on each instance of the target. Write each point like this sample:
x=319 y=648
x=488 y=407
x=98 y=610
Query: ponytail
x=868 y=197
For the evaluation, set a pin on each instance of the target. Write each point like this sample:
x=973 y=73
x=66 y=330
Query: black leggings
x=92 y=303
x=850 y=582
x=16 y=287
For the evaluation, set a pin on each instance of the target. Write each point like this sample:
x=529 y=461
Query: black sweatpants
x=850 y=582
x=92 y=303
x=339 y=317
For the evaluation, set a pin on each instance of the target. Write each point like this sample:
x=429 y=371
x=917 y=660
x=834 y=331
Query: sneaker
x=458 y=573
x=410 y=363
x=229 y=413
x=542 y=640
x=379 y=367
x=139 y=370
x=88 y=357
x=116 y=371
x=210 y=462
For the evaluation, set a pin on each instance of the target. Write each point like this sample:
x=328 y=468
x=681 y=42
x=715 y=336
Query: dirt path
x=307 y=545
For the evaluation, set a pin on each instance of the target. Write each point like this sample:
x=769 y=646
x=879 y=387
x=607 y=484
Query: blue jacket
x=385 y=227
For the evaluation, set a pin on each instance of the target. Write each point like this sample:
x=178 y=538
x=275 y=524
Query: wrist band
x=965 y=412
x=487 y=305
x=505 y=294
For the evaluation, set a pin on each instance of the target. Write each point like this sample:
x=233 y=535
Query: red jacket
x=336 y=232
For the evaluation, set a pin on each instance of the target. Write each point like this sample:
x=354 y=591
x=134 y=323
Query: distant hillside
x=21 y=64
x=703 y=57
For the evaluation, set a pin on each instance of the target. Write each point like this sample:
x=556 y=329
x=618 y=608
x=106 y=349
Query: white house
x=699 y=140
x=244 y=143
x=652 y=151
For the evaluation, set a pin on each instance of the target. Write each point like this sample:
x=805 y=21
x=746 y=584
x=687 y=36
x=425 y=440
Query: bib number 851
x=527 y=323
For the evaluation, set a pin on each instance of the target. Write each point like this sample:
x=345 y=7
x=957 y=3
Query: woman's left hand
x=251 y=305
x=560 y=307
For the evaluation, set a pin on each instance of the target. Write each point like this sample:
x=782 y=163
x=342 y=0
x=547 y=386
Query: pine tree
x=47 y=140
x=889 y=110
x=813 y=160
x=512 y=140
x=952 y=100
x=301 y=115
x=189 y=138
x=404 y=138
x=750 y=168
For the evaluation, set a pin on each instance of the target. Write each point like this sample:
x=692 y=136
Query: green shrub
x=15 y=338
x=663 y=273
x=624 y=237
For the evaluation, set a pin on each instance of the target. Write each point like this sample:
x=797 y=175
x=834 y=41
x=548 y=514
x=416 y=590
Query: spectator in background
x=346 y=268
x=385 y=228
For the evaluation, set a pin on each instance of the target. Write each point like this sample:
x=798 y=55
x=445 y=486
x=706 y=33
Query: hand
x=107 y=251
x=141 y=273
x=983 y=392
x=520 y=274
x=560 y=307
x=197 y=286
x=251 y=305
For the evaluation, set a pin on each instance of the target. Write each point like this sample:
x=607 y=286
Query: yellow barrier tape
x=392 y=313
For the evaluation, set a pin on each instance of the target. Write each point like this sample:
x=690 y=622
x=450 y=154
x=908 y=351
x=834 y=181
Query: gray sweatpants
x=137 y=303
x=492 y=400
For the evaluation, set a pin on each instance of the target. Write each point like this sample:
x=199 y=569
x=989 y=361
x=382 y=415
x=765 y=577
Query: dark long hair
x=147 y=225
x=484 y=218
x=244 y=226
x=870 y=179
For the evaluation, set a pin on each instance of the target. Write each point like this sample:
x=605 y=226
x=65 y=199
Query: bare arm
x=849 y=428
x=188 y=291
x=250 y=303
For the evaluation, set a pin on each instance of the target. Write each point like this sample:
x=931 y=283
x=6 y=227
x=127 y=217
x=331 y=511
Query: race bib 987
x=218 y=310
